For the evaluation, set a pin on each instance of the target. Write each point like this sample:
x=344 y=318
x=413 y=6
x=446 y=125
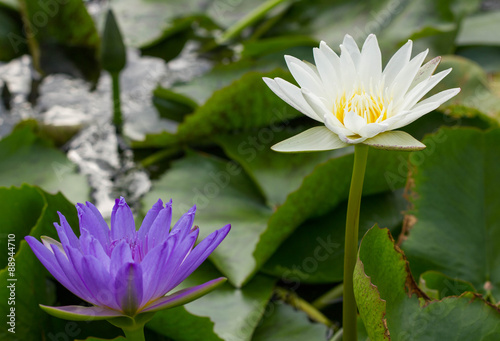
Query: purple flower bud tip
x=121 y=271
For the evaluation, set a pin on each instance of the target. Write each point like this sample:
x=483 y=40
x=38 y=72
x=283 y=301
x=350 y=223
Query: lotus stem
x=351 y=242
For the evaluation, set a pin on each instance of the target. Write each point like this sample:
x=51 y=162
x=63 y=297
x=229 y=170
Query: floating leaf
x=27 y=158
x=393 y=308
x=476 y=30
x=459 y=214
x=28 y=210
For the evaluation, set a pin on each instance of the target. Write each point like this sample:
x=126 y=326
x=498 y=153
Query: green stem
x=248 y=20
x=351 y=242
x=117 y=110
x=327 y=298
x=134 y=334
x=295 y=301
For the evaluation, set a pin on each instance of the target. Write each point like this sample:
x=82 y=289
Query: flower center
x=369 y=105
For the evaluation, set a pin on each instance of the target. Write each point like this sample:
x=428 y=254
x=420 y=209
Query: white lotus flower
x=355 y=100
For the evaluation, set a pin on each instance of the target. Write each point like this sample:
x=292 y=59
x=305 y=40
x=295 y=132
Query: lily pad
x=393 y=308
x=476 y=29
x=27 y=158
x=30 y=211
x=459 y=214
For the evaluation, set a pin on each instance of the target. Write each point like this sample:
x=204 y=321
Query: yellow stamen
x=372 y=107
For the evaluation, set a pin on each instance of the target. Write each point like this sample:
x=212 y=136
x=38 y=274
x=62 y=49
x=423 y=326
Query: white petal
x=314 y=139
x=425 y=71
x=291 y=95
x=347 y=69
x=327 y=73
x=316 y=103
x=370 y=64
x=304 y=75
x=331 y=55
x=404 y=79
x=372 y=129
x=426 y=106
x=353 y=49
x=354 y=122
x=336 y=126
x=439 y=98
x=423 y=88
x=395 y=140
x=398 y=61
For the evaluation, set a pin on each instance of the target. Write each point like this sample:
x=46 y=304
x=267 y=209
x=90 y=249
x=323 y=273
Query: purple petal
x=65 y=233
x=120 y=256
x=77 y=285
x=79 y=313
x=122 y=221
x=154 y=267
x=177 y=257
x=160 y=228
x=184 y=296
x=91 y=246
x=99 y=282
x=150 y=218
x=128 y=288
x=200 y=253
x=91 y=220
x=185 y=222
x=47 y=258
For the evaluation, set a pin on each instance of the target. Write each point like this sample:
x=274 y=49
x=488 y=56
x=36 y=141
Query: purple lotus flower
x=124 y=272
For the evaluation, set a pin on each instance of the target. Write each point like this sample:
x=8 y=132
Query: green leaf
x=459 y=214
x=28 y=210
x=318 y=257
x=476 y=30
x=53 y=28
x=225 y=314
x=393 y=307
x=282 y=322
x=27 y=158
